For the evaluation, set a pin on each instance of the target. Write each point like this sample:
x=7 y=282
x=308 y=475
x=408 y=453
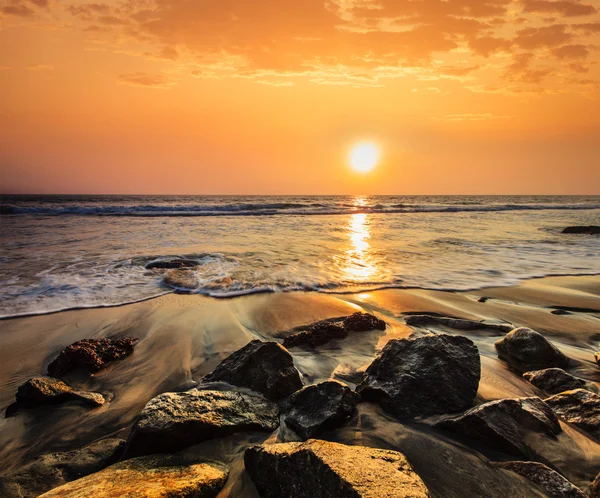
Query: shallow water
x=83 y=251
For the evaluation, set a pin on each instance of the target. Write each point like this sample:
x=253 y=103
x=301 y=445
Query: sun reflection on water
x=359 y=265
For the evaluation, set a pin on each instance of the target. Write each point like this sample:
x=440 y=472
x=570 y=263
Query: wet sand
x=183 y=337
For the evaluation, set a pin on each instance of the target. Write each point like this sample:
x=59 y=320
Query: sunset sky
x=269 y=97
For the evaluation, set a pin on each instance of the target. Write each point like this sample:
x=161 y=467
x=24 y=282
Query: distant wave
x=272 y=209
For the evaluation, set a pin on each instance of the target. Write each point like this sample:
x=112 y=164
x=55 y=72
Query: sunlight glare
x=364 y=157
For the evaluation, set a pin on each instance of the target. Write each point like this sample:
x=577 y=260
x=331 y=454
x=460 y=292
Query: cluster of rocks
x=258 y=387
x=89 y=355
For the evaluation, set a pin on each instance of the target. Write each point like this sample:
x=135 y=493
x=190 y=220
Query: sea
x=64 y=252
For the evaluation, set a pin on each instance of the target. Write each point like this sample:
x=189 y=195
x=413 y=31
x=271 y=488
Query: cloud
x=564 y=8
x=547 y=36
x=145 y=79
x=571 y=52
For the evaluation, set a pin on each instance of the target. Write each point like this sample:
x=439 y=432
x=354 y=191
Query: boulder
x=172 y=264
x=579 y=407
x=181 y=279
x=551 y=482
x=323 y=406
x=556 y=380
x=321 y=332
x=425 y=376
x=504 y=424
x=320 y=469
x=264 y=367
x=47 y=391
x=55 y=469
x=454 y=323
x=583 y=229
x=173 y=421
x=91 y=355
x=155 y=476
x=595 y=487
x=525 y=349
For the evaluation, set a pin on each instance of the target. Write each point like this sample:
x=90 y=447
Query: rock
x=556 y=380
x=55 y=469
x=323 y=406
x=90 y=354
x=588 y=230
x=154 y=476
x=525 y=349
x=424 y=376
x=320 y=469
x=264 y=367
x=321 y=332
x=560 y=312
x=483 y=299
x=172 y=264
x=47 y=391
x=505 y=423
x=454 y=323
x=595 y=487
x=173 y=421
x=181 y=279
x=597 y=358
x=553 y=484
x=579 y=407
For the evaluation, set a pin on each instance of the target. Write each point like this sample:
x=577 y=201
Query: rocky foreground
x=430 y=378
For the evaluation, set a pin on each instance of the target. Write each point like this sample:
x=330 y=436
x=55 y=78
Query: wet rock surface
x=320 y=469
x=429 y=375
x=583 y=229
x=579 y=407
x=504 y=424
x=322 y=406
x=321 y=332
x=556 y=380
x=595 y=487
x=56 y=469
x=525 y=350
x=454 y=323
x=181 y=279
x=551 y=482
x=91 y=354
x=48 y=391
x=172 y=264
x=156 y=476
x=264 y=367
x=173 y=421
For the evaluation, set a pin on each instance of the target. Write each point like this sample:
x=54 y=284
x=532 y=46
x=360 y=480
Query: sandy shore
x=183 y=337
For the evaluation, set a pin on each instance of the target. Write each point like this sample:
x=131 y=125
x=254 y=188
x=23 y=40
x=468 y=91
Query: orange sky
x=268 y=97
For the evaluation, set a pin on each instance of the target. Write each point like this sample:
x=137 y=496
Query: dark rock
x=172 y=264
x=595 y=487
x=181 y=279
x=505 y=423
x=156 y=476
x=320 y=469
x=454 y=323
x=597 y=358
x=579 y=407
x=47 y=391
x=91 y=355
x=588 y=230
x=55 y=469
x=525 y=349
x=321 y=332
x=264 y=367
x=173 y=421
x=556 y=380
x=323 y=406
x=560 y=312
x=424 y=376
x=553 y=484
x=483 y=299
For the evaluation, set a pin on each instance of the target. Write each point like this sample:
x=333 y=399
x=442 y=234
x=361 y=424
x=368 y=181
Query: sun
x=364 y=157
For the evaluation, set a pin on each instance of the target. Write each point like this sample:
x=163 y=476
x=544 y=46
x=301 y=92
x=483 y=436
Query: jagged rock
x=553 y=484
x=319 y=407
x=264 y=367
x=172 y=264
x=525 y=349
x=91 y=355
x=47 y=391
x=321 y=332
x=504 y=423
x=588 y=230
x=424 y=376
x=595 y=487
x=173 y=421
x=555 y=380
x=454 y=323
x=156 y=476
x=181 y=279
x=579 y=407
x=320 y=469
x=55 y=469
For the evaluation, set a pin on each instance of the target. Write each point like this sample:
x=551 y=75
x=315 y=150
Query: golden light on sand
x=364 y=157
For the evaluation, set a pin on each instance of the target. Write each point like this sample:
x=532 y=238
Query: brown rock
x=579 y=407
x=595 y=487
x=556 y=380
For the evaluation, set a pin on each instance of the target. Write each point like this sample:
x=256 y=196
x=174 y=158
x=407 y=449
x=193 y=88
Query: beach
x=183 y=337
